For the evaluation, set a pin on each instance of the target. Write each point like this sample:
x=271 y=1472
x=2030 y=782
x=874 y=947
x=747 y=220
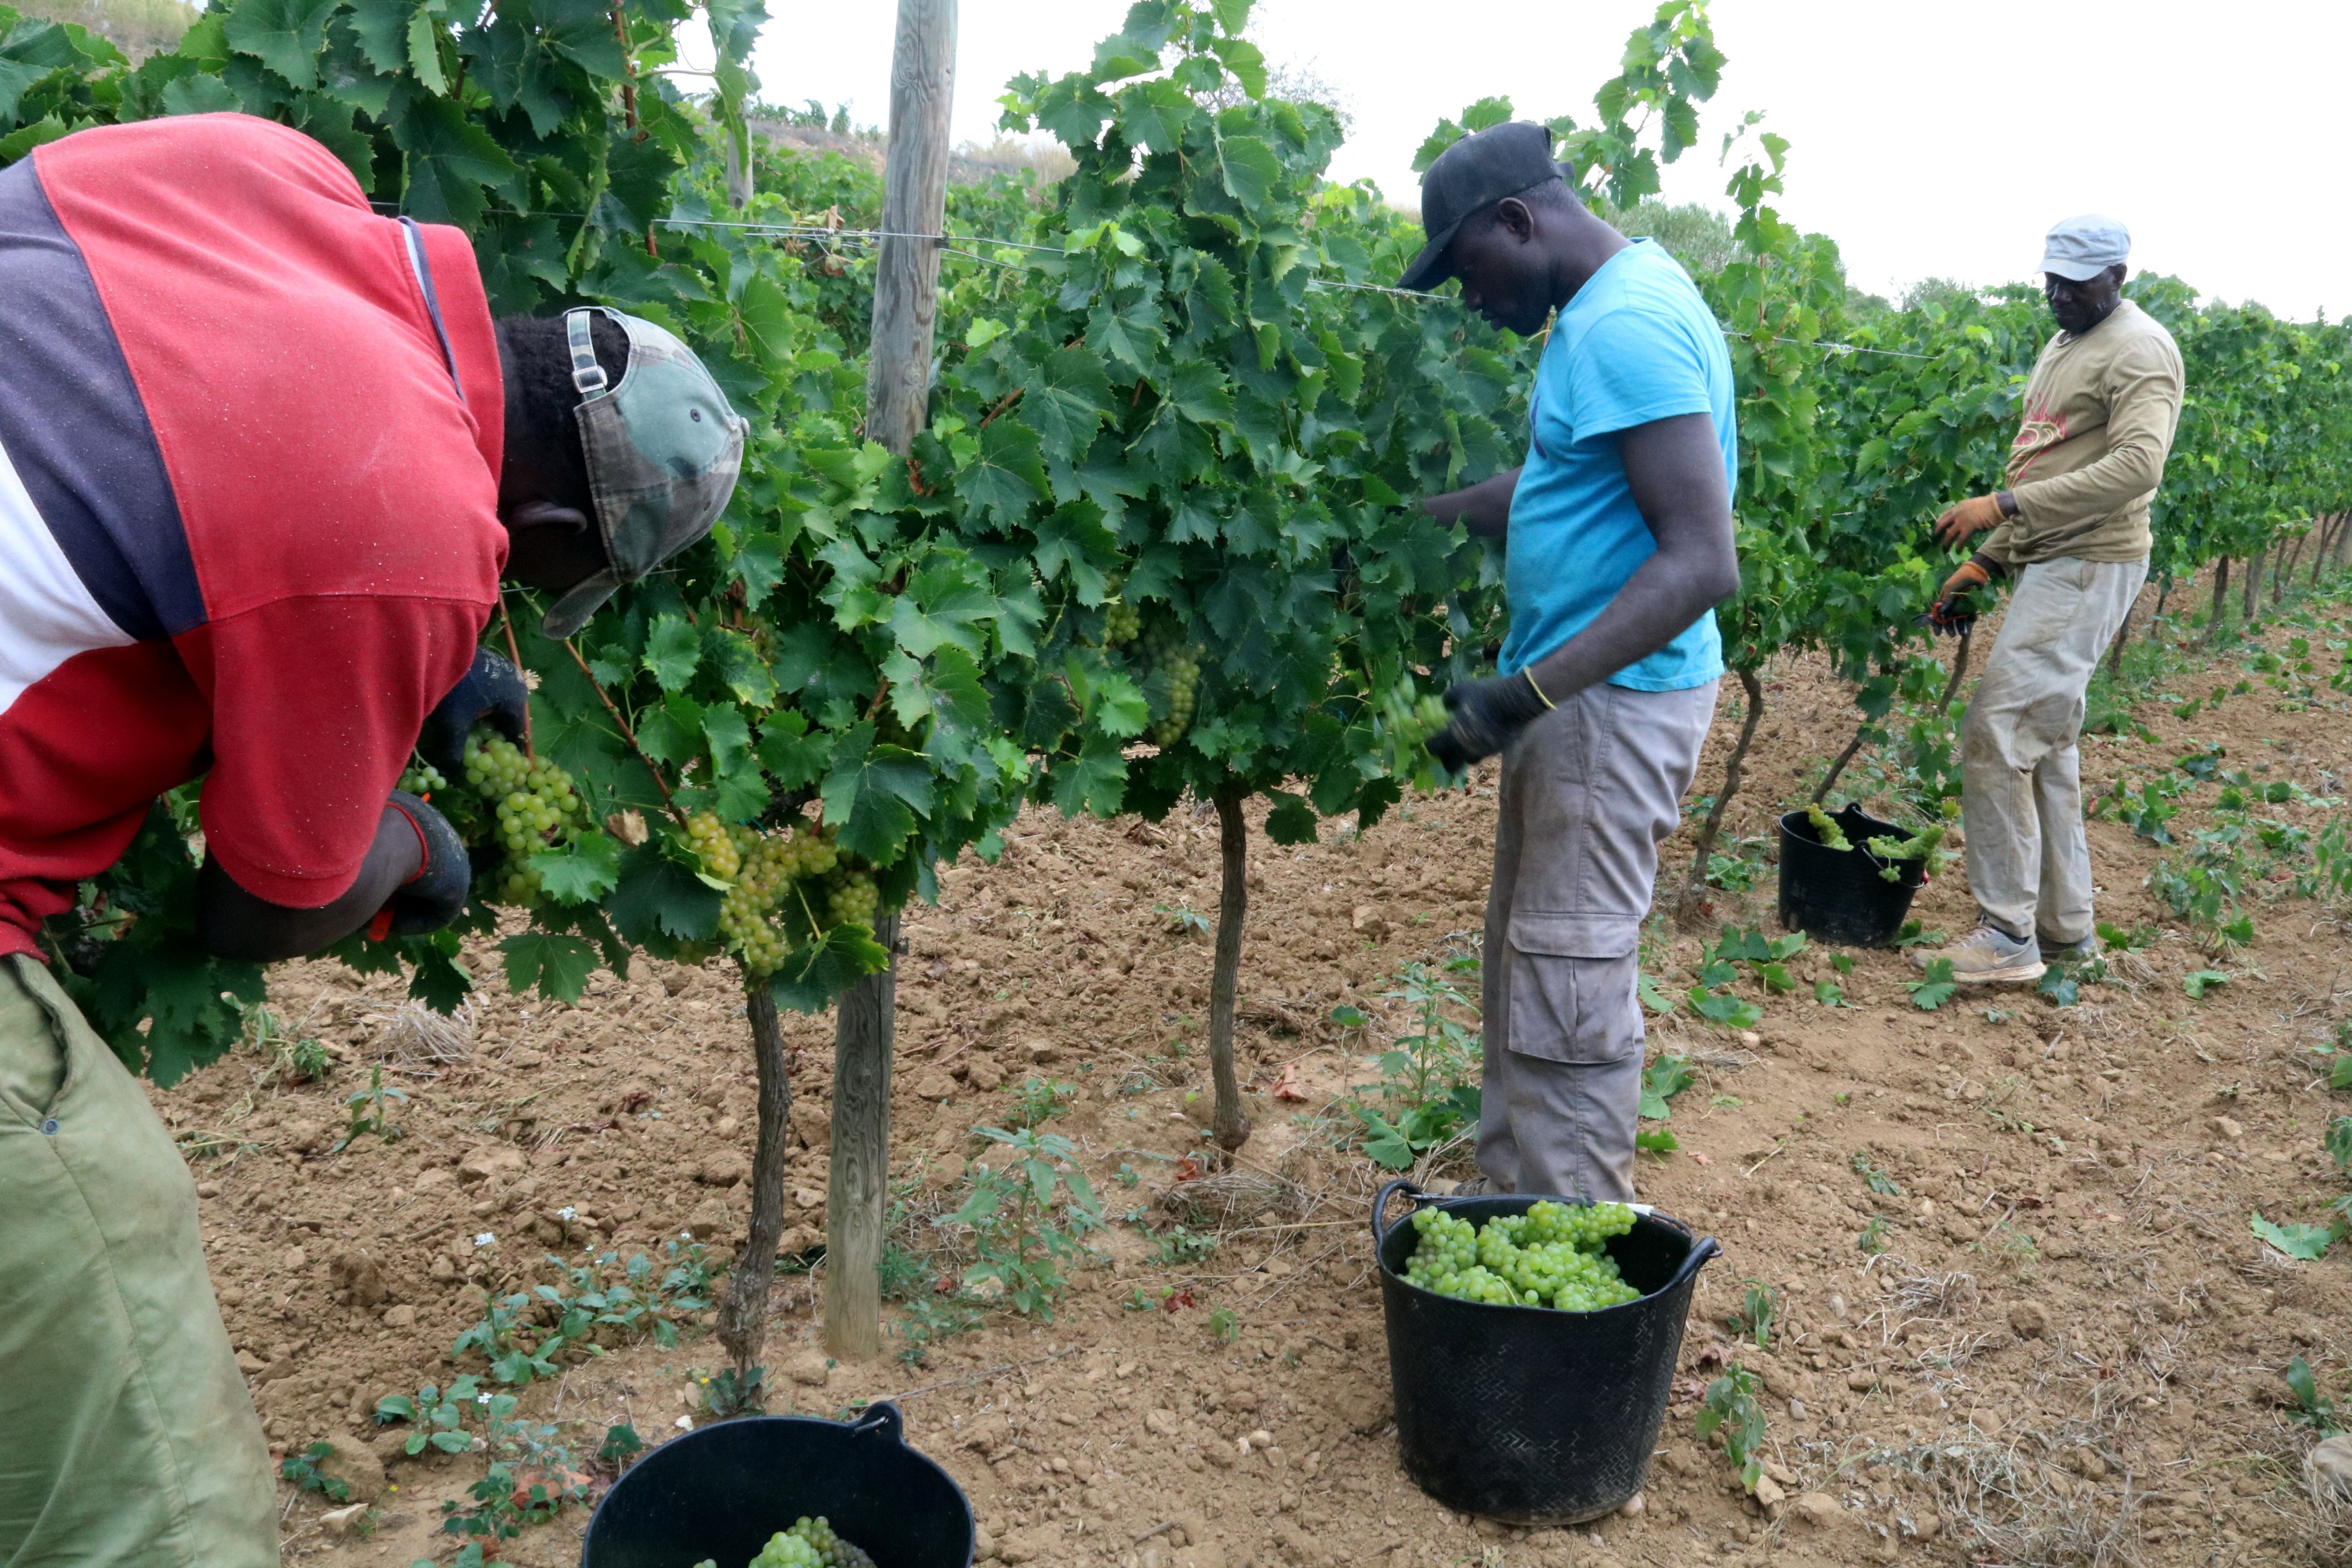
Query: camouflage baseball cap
x=663 y=448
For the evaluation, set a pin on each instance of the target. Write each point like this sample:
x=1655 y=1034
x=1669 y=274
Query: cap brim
x=2074 y=272
x=570 y=612
x=1429 y=268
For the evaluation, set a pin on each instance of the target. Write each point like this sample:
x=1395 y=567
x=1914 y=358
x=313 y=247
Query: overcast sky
x=1929 y=137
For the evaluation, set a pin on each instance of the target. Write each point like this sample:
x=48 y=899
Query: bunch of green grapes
x=422 y=779
x=536 y=802
x=1166 y=649
x=1411 y=717
x=851 y=898
x=766 y=868
x=713 y=846
x=809 y=1544
x=1550 y=1257
x=1122 y=623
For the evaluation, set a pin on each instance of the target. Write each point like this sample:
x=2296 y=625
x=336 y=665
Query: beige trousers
x=2022 y=803
x=1588 y=793
x=127 y=1438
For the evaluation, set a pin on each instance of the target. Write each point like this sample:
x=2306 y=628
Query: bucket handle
x=1704 y=1247
x=1380 y=1207
x=883 y=1418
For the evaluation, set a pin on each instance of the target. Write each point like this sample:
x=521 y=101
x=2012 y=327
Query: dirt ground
x=2071 y=1351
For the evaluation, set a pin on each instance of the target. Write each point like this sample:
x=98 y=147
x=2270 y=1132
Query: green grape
x=422 y=779
x=536 y=805
x=1183 y=667
x=1122 y=623
x=1550 y=1255
x=760 y=916
x=714 y=844
x=853 y=899
x=810 y=1544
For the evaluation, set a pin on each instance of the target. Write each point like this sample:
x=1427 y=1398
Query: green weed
x=1430 y=1077
x=302 y=1469
x=1753 y=1318
x=1730 y=1414
x=1028 y=1214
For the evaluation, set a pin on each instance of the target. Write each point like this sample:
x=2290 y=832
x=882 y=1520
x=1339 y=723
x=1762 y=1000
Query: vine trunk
x=1231 y=1127
x=1694 y=894
x=743 y=1312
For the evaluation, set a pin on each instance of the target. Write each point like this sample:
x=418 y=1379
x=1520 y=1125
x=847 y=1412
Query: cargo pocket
x=1572 y=989
x=32 y=1047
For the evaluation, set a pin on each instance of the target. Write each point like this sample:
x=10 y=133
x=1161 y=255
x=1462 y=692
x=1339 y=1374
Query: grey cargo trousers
x=2021 y=777
x=1588 y=793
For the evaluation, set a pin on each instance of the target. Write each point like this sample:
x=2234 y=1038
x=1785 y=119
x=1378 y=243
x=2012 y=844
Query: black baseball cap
x=1476 y=171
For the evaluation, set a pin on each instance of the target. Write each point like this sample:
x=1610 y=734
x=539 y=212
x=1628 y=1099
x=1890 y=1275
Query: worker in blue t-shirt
x=1619 y=535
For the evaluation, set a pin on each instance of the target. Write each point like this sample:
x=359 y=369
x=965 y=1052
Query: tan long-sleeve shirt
x=2089 y=454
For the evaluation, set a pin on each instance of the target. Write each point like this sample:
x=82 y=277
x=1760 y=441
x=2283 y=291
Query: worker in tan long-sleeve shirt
x=2072 y=529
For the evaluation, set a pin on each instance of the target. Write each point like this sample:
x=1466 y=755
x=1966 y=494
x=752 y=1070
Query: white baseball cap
x=2081 y=248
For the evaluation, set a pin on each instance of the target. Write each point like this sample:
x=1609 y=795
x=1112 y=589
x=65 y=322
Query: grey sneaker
x=2056 y=949
x=1474 y=1187
x=1987 y=956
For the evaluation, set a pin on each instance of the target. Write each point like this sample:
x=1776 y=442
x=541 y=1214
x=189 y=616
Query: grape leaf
x=2308 y=1242
x=559 y=966
x=673 y=651
x=872 y=793
x=812 y=975
x=286 y=35
x=581 y=872
x=1250 y=169
x=1004 y=475
x=658 y=899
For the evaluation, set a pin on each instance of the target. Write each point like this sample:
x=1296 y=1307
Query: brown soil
x=2072 y=1333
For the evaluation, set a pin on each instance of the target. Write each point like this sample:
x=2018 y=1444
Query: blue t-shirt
x=1637 y=344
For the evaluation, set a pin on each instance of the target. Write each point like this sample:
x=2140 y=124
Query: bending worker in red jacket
x=263 y=458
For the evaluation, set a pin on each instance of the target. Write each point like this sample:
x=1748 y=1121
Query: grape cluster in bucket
x=809 y=1544
x=1550 y=1255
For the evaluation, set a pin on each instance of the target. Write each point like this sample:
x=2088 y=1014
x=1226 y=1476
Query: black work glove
x=1954 y=610
x=491 y=692
x=1487 y=715
x=436 y=894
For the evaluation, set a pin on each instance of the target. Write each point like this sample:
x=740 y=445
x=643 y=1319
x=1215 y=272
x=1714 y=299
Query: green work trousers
x=127 y=1438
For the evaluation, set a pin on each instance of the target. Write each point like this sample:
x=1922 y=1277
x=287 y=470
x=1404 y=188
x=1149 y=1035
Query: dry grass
x=1922 y=1293
x=1239 y=1196
x=2021 y=1511
x=411 y=1032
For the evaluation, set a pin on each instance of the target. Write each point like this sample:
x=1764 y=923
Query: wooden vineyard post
x=858 y=1197
x=897 y=395
x=2253 y=595
x=914 y=202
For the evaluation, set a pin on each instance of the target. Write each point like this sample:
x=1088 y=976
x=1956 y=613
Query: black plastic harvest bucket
x=1529 y=1415
x=1837 y=896
x=722 y=1491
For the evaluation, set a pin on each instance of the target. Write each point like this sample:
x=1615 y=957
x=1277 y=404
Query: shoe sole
x=2008 y=975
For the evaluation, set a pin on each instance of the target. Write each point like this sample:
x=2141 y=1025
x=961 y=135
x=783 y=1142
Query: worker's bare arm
x=1485 y=507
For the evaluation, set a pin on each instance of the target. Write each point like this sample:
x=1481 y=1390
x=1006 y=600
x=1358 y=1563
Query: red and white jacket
x=248 y=519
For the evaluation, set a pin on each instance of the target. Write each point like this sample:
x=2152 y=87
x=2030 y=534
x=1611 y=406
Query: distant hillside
x=968 y=164
x=137 y=27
